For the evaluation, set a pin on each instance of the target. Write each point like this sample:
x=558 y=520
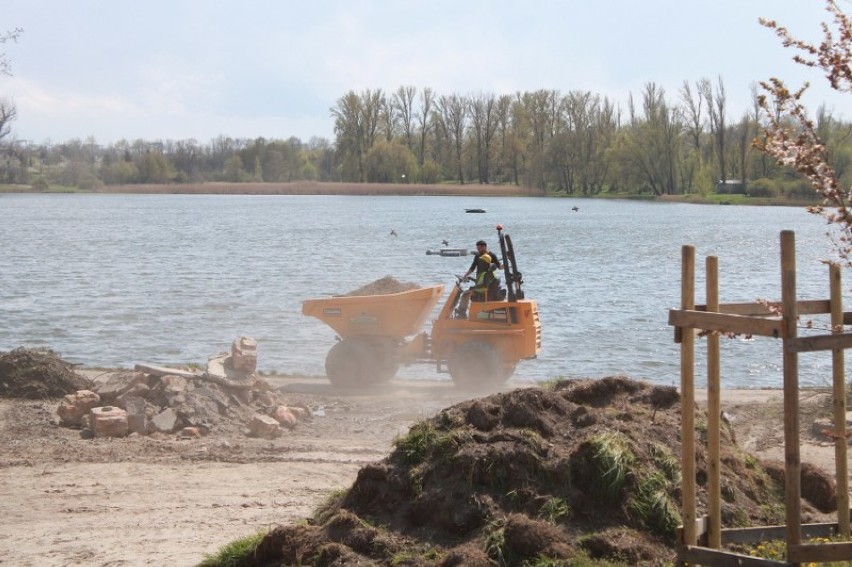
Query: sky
x=182 y=69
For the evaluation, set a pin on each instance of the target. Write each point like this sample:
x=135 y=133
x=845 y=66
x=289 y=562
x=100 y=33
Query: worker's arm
x=472 y=267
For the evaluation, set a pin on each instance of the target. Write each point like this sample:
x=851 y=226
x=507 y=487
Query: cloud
x=37 y=99
x=175 y=89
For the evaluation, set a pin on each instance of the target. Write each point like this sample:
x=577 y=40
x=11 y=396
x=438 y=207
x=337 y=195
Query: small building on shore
x=731 y=187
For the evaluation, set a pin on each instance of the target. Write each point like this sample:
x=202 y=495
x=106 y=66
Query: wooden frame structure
x=700 y=540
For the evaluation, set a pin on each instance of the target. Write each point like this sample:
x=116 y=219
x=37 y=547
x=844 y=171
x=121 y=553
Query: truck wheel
x=476 y=364
x=356 y=362
x=384 y=366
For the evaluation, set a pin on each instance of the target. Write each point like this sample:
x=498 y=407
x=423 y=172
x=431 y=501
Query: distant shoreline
x=396 y=189
x=295 y=188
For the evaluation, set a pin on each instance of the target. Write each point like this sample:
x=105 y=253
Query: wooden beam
x=838 y=375
x=769 y=533
x=819 y=342
x=819 y=552
x=714 y=426
x=687 y=400
x=805 y=307
x=726 y=323
x=693 y=555
x=792 y=458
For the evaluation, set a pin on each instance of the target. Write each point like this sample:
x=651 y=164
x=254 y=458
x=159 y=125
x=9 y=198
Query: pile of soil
x=586 y=469
x=383 y=286
x=37 y=374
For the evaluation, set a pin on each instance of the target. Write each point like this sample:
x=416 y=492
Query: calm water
x=117 y=279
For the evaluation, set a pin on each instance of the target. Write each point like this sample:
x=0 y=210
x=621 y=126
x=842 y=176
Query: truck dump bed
x=394 y=315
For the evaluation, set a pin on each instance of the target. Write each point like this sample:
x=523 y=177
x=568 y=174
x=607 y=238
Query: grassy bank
x=695 y=198
x=328 y=188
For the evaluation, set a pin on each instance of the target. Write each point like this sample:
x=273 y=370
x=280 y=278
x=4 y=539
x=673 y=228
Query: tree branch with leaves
x=791 y=137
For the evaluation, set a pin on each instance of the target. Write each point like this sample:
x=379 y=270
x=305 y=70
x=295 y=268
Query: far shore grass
x=387 y=189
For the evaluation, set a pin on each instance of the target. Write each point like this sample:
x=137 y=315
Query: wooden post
x=839 y=380
x=793 y=465
x=714 y=411
x=687 y=401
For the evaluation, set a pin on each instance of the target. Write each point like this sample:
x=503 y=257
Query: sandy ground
x=157 y=500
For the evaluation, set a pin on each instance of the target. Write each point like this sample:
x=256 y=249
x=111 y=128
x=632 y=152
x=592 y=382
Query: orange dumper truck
x=478 y=348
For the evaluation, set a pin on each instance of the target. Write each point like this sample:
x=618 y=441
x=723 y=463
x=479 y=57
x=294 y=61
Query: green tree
x=390 y=162
x=234 y=171
x=153 y=167
x=118 y=172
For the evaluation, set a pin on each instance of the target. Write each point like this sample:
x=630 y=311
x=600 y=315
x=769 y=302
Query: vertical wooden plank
x=714 y=411
x=792 y=461
x=687 y=402
x=838 y=369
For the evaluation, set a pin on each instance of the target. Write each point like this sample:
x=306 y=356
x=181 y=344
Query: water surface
x=119 y=279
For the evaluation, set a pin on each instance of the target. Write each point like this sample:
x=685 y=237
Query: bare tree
x=8 y=113
x=716 y=102
x=454 y=112
x=693 y=114
x=484 y=124
x=5 y=66
x=792 y=138
x=403 y=102
x=427 y=102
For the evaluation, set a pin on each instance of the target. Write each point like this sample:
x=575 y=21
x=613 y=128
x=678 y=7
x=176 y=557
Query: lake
x=113 y=280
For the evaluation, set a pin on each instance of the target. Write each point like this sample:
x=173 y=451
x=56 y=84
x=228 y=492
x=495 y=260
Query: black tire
x=476 y=364
x=357 y=362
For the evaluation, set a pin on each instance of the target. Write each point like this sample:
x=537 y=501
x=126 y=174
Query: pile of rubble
x=154 y=399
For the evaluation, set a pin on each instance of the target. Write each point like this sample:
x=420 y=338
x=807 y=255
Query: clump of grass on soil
x=238 y=553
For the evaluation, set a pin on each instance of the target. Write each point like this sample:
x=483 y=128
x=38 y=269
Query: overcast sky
x=199 y=69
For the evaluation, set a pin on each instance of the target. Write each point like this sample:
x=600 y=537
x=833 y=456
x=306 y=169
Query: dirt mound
x=37 y=374
x=383 y=286
x=588 y=469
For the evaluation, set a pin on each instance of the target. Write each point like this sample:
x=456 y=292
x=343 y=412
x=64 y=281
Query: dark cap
x=481 y=243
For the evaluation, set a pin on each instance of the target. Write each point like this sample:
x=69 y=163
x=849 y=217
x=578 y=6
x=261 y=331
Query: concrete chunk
x=264 y=426
x=73 y=407
x=117 y=384
x=108 y=421
x=138 y=391
x=134 y=405
x=137 y=423
x=165 y=422
x=285 y=417
x=164 y=371
x=244 y=355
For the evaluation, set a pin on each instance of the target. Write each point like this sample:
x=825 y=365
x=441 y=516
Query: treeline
x=577 y=143
x=85 y=164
